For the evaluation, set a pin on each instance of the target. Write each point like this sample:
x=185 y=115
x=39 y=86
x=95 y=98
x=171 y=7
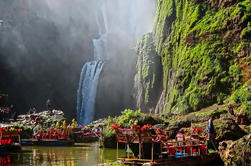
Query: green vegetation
x=126 y=119
x=199 y=48
x=148 y=76
x=242 y=97
x=129 y=117
x=196 y=117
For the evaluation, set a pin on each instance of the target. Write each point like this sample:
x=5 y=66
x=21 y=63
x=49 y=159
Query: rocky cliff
x=203 y=47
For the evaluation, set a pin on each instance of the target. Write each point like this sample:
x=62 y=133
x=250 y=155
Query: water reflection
x=81 y=155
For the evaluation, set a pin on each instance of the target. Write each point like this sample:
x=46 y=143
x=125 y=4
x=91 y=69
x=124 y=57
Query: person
x=1 y=115
x=180 y=138
x=211 y=131
x=29 y=111
x=7 y=114
x=48 y=105
x=13 y=112
x=151 y=111
x=34 y=110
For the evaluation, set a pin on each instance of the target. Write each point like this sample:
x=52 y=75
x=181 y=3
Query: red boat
x=154 y=148
x=9 y=140
x=85 y=136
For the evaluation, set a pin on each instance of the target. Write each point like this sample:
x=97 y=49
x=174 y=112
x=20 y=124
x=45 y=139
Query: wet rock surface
x=236 y=153
x=29 y=119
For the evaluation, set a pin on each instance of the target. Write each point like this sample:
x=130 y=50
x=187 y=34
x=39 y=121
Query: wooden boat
x=85 y=136
x=210 y=159
x=151 y=149
x=9 y=140
x=47 y=142
x=10 y=148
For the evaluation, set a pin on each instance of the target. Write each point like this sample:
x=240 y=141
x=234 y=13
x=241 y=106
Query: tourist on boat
x=29 y=111
x=7 y=114
x=180 y=138
x=48 y=105
x=1 y=115
x=34 y=110
x=151 y=111
x=211 y=132
x=13 y=112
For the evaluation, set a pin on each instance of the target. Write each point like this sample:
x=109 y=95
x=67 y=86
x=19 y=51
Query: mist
x=45 y=43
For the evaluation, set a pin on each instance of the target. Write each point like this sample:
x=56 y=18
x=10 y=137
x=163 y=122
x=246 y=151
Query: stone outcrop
x=202 y=65
x=45 y=116
x=148 y=77
x=236 y=153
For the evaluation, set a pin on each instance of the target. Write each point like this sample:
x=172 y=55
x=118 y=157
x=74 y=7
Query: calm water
x=79 y=155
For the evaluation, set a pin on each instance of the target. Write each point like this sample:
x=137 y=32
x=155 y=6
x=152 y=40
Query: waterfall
x=87 y=91
x=89 y=76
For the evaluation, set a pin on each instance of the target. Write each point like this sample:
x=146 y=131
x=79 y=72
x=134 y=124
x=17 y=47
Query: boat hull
x=10 y=148
x=42 y=142
x=210 y=159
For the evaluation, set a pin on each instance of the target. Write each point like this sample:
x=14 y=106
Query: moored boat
x=47 y=142
x=150 y=147
x=9 y=140
x=85 y=136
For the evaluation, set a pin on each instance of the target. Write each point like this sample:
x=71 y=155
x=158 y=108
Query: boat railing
x=8 y=138
x=171 y=148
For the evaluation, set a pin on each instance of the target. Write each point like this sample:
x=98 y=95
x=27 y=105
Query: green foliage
x=147 y=76
x=126 y=119
x=196 y=117
x=200 y=66
x=130 y=117
x=245 y=33
x=109 y=138
x=212 y=151
x=242 y=95
x=227 y=128
x=236 y=74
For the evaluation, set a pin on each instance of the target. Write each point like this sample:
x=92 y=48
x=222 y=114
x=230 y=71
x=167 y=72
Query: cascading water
x=89 y=76
x=87 y=91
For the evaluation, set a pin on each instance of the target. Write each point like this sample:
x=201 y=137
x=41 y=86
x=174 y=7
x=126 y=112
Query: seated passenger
x=180 y=138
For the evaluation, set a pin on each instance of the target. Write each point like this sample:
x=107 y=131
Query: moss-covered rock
x=226 y=128
x=236 y=153
x=197 y=117
x=148 y=77
x=204 y=49
x=240 y=105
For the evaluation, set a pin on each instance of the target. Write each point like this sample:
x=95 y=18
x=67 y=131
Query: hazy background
x=44 y=43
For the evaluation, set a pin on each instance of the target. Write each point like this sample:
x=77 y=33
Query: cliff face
x=148 y=76
x=204 y=47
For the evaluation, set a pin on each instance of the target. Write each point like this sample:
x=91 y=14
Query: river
x=88 y=154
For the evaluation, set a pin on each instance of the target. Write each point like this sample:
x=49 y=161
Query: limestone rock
x=147 y=81
x=236 y=153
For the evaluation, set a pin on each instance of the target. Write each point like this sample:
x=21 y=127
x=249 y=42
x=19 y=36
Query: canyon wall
x=204 y=49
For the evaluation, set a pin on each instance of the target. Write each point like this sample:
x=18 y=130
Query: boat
x=150 y=147
x=9 y=140
x=85 y=136
x=47 y=142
